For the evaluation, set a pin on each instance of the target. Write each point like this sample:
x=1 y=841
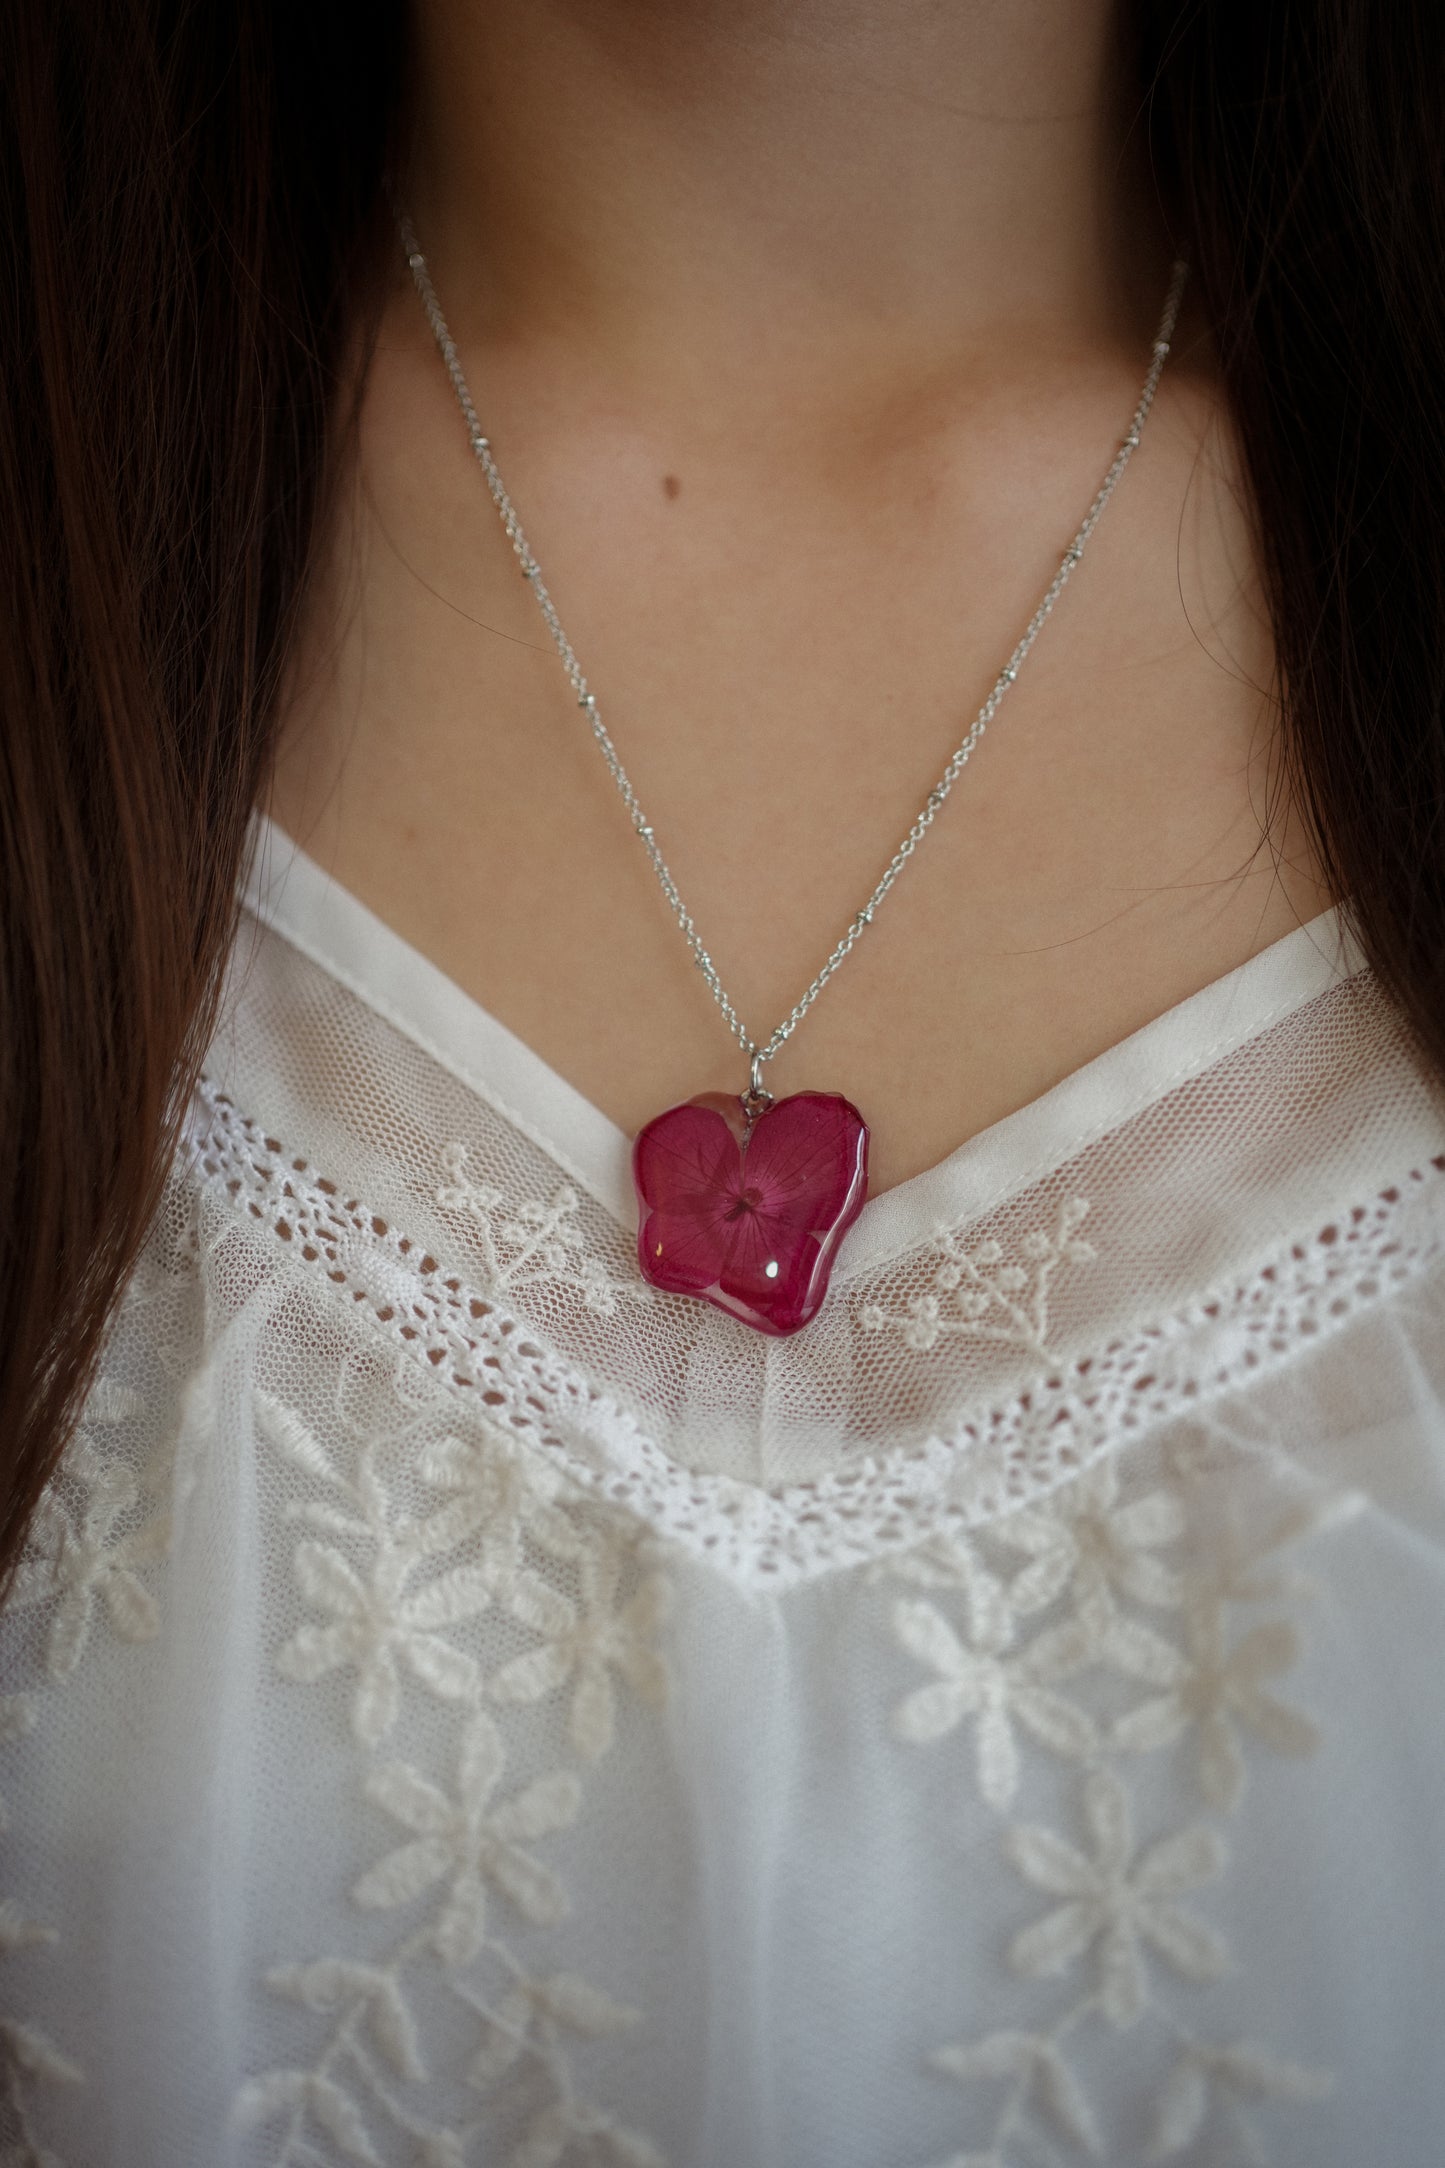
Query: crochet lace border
x=989 y=1461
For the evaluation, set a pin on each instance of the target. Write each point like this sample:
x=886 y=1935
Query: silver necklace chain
x=758 y=1052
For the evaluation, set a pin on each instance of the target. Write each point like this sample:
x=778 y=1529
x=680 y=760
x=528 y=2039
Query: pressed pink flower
x=750 y=1221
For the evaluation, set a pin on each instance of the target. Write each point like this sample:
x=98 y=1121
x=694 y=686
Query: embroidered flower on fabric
x=299 y=2095
x=943 y=1560
x=585 y=1642
x=500 y=1493
x=529 y=2023
x=374 y=1622
x=534 y=2012
x=470 y=1841
x=334 y=1983
x=535 y=1242
x=1219 y=1687
x=1093 y=1558
x=1231 y=2076
x=1083 y=1541
x=977 y=1294
x=78 y=1558
x=1116 y=1901
x=981 y=1676
x=1037 y=2074
x=471 y=1850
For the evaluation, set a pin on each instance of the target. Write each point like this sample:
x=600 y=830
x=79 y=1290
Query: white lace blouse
x=461 y=1709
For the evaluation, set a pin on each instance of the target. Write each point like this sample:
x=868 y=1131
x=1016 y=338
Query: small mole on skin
x=670 y=485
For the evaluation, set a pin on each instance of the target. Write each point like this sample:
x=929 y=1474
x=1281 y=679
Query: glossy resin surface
x=749 y=1215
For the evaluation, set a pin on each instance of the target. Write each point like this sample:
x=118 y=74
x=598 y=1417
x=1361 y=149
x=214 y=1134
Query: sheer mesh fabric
x=461 y=1709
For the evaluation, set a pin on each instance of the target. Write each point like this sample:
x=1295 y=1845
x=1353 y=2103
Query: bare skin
x=804 y=331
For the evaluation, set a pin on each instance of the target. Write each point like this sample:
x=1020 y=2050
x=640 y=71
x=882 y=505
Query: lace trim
x=988 y=1463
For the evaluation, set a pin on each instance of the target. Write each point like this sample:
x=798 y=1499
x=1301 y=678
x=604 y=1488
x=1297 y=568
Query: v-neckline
x=291 y=893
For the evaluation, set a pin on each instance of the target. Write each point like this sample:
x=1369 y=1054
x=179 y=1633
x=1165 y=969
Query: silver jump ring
x=757 y=1098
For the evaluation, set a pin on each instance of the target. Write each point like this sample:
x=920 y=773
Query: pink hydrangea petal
x=685 y=1164
x=689 y=1148
x=802 y=1157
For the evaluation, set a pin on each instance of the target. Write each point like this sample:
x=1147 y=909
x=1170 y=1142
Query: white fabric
x=462 y=1709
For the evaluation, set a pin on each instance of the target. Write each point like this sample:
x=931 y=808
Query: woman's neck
x=804 y=334
x=815 y=188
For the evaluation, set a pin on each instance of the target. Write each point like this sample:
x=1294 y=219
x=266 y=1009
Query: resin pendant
x=746 y=1210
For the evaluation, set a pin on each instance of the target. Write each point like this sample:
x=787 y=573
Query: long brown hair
x=186 y=192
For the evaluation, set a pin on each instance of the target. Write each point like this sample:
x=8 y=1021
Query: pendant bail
x=757 y=1098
